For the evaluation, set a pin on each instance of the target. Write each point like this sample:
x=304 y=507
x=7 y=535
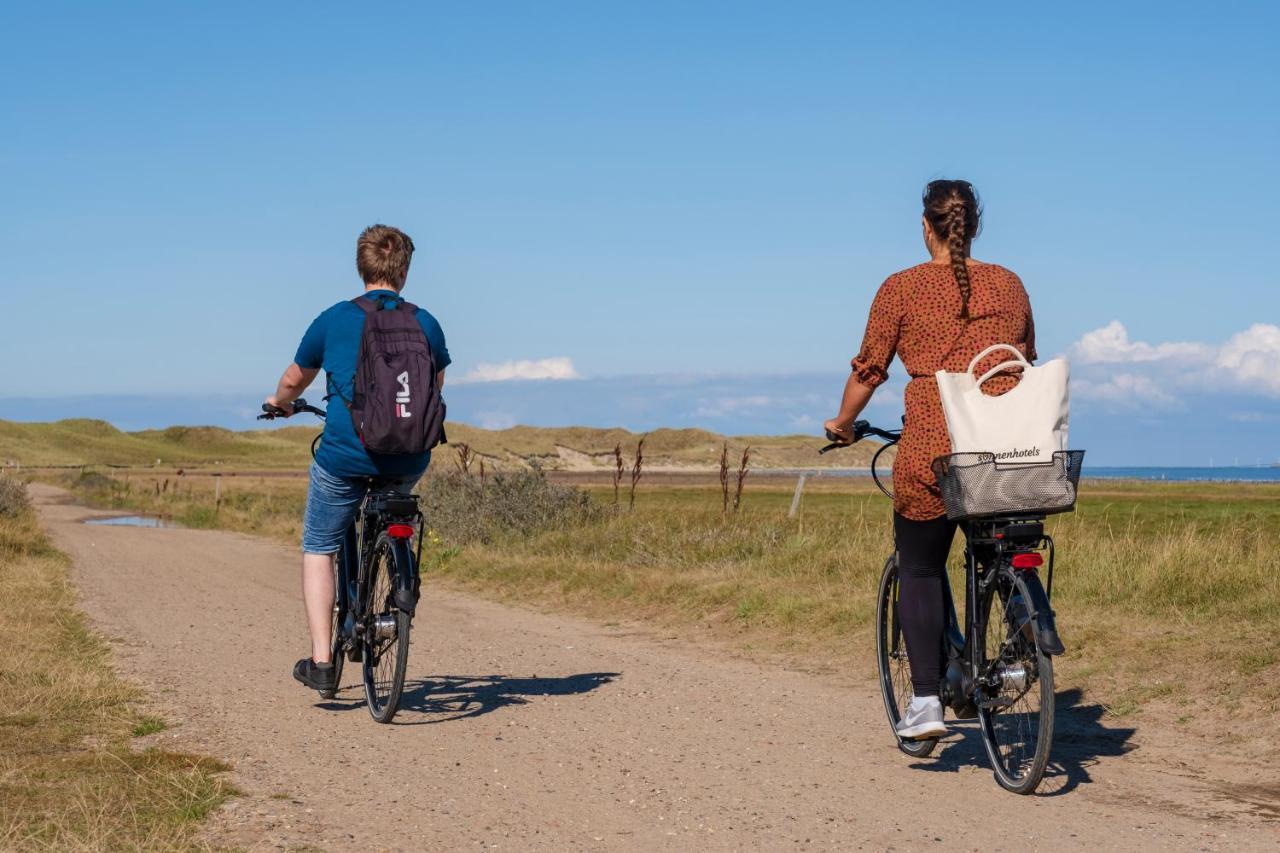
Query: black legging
x=922 y=561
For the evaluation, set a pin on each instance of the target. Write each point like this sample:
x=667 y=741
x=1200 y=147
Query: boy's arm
x=306 y=364
x=291 y=385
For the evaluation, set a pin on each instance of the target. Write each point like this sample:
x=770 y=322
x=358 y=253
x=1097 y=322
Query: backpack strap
x=368 y=306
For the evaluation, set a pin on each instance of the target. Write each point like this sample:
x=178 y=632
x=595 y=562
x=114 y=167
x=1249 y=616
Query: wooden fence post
x=795 y=499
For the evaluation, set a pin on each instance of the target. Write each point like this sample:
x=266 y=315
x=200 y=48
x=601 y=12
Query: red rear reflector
x=405 y=531
x=1027 y=561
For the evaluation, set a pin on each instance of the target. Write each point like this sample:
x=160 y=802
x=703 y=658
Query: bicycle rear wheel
x=891 y=654
x=386 y=651
x=1015 y=705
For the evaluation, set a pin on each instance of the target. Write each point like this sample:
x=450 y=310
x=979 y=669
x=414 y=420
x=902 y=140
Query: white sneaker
x=922 y=720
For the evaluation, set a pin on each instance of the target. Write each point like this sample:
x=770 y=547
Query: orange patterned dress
x=916 y=315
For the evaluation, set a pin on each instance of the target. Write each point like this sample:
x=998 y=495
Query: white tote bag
x=1028 y=423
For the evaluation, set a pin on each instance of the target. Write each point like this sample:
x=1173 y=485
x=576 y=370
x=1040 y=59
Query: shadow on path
x=443 y=698
x=1079 y=740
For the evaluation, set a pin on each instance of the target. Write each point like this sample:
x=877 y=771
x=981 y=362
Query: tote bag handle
x=1018 y=361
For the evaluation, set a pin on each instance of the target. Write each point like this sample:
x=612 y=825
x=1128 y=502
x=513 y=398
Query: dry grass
x=1163 y=592
x=70 y=778
x=1157 y=586
x=83 y=441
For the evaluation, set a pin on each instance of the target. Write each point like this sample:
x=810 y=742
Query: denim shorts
x=332 y=502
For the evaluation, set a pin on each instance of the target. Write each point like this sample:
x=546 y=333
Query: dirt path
x=525 y=731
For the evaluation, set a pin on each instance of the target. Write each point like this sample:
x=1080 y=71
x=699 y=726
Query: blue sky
x=646 y=190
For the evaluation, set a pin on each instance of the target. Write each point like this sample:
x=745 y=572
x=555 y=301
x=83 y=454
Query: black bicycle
x=999 y=668
x=377 y=585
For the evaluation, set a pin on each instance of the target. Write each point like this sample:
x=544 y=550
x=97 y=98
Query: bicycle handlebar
x=270 y=412
x=861 y=429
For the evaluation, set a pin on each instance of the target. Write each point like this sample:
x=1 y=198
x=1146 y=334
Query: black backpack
x=395 y=403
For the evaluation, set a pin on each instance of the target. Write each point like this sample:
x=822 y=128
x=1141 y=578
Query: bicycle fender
x=405 y=595
x=1046 y=627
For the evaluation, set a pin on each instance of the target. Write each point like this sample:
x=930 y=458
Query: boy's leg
x=332 y=503
x=317 y=598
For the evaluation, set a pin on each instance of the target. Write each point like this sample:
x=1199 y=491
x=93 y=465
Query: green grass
x=70 y=776
x=1156 y=584
x=1167 y=595
x=148 y=726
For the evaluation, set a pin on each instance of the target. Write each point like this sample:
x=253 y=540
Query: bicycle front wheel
x=386 y=652
x=337 y=647
x=891 y=654
x=1015 y=703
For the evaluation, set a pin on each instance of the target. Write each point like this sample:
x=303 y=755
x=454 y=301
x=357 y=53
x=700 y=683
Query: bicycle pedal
x=355 y=655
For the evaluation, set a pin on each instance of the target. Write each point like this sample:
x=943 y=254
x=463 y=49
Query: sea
x=1218 y=473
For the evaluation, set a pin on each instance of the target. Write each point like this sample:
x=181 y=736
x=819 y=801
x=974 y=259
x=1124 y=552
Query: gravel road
x=526 y=731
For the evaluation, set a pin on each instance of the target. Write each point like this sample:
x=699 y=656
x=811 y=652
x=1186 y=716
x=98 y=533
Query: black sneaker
x=317 y=676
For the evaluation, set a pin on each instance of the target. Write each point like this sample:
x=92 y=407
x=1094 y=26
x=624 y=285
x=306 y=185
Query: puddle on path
x=132 y=521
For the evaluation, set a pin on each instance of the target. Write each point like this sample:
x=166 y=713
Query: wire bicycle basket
x=975 y=484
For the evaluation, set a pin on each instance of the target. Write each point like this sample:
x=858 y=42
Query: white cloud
x=1248 y=363
x=524 y=369
x=1111 y=344
x=495 y=420
x=1128 y=390
x=805 y=423
x=1252 y=357
x=721 y=406
x=888 y=396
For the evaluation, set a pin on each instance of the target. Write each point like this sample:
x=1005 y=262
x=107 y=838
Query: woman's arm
x=852 y=403
x=871 y=366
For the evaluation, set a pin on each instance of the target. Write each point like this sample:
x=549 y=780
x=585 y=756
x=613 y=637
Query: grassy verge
x=1166 y=593
x=70 y=777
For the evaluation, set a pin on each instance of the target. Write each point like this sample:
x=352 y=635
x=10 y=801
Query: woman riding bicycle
x=934 y=316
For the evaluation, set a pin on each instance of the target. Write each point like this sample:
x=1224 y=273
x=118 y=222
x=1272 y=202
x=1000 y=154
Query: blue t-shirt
x=333 y=342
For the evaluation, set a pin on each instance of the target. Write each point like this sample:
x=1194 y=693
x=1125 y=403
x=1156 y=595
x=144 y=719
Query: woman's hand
x=852 y=402
x=838 y=428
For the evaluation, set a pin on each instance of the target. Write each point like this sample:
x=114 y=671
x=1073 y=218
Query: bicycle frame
x=377 y=511
x=988 y=547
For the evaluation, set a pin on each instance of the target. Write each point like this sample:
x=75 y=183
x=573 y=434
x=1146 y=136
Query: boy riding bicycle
x=344 y=469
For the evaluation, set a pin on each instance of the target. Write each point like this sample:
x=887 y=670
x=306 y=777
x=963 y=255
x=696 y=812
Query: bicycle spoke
x=1013 y=696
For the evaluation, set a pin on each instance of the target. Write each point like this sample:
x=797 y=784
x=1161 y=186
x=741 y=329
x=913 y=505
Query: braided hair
x=954 y=213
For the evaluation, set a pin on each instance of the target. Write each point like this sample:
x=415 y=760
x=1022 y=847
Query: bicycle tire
x=1006 y=729
x=891 y=659
x=337 y=654
x=384 y=662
